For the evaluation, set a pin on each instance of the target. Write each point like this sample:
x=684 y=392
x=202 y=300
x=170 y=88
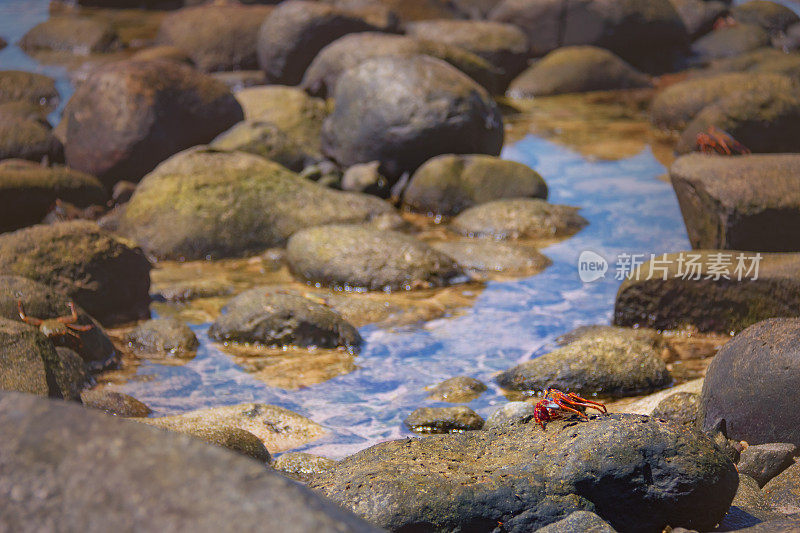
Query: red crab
x=556 y=404
x=714 y=141
x=60 y=327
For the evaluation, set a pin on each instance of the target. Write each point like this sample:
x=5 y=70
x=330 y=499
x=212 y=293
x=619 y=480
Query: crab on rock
x=556 y=404
x=60 y=327
x=714 y=141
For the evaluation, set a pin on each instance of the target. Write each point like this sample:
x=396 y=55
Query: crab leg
x=565 y=405
x=69 y=319
x=587 y=403
x=25 y=318
x=77 y=327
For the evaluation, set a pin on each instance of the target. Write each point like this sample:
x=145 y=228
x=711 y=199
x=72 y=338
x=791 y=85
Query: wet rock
x=460 y=389
x=646 y=33
x=729 y=41
x=129 y=116
x=366 y=178
x=76 y=35
x=763 y=462
x=114 y=403
x=28 y=192
x=764 y=120
x=512 y=412
x=577 y=69
x=270 y=141
x=578 y=522
x=29 y=139
x=181 y=483
x=443 y=420
x=41 y=301
x=739 y=203
x=184 y=291
x=449 y=184
x=236 y=203
x=302 y=466
x=783 y=491
x=486 y=257
x=163 y=52
x=216 y=37
x=646 y=335
x=771 y=16
x=432 y=107
x=270 y=317
x=681 y=407
x=232 y=438
x=166 y=336
x=106 y=276
x=359 y=257
x=611 y=363
x=749 y=507
x=295 y=32
x=674 y=107
x=518 y=218
x=749 y=384
x=699 y=15
x=527 y=478
x=71 y=375
x=351 y=50
x=278 y=428
x=37 y=89
x=683 y=289
x=503 y=45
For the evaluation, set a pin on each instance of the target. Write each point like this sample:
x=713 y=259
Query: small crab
x=714 y=141
x=56 y=328
x=556 y=404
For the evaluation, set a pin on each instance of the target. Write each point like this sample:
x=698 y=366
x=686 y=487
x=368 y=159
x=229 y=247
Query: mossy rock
x=28 y=191
x=71 y=34
x=518 y=218
x=269 y=141
x=209 y=203
x=37 y=89
x=163 y=336
x=31 y=140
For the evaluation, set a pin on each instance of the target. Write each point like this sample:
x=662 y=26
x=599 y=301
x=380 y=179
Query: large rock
x=40 y=301
x=688 y=289
x=518 y=218
x=750 y=384
x=268 y=140
x=28 y=192
x=29 y=139
x=403 y=111
x=354 y=257
x=783 y=491
x=266 y=316
x=71 y=34
x=643 y=32
x=37 y=89
x=151 y=480
x=216 y=37
x=129 y=116
x=577 y=69
x=771 y=16
x=351 y=50
x=204 y=202
x=637 y=473
x=729 y=42
x=163 y=336
x=503 y=45
x=449 y=184
x=740 y=203
x=608 y=363
x=106 y=276
x=295 y=32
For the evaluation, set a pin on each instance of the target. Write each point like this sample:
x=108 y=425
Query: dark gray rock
x=460 y=389
x=103 y=274
x=521 y=412
x=114 y=403
x=295 y=32
x=182 y=484
x=578 y=522
x=681 y=407
x=443 y=420
x=266 y=316
x=683 y=289
x=449 y=184
x=750 y=384
x=518 y=218
x=76 y=35
x=432 y=109
x=163 y=336
x=577 y=69
x=729 y=42
x=129 y=116
x=763 y=462
x=610 y=363
x=637 y=473
x=749 y=507
x=360 y=257
x=771 y=16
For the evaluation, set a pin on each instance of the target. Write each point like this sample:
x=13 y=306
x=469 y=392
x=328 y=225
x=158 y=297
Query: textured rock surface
x=511 y=412
x=763 y=462
x=163 y=336
x=749 y=507
x=443 y=420
x=302 y=466
x=114 y=403
x=460 y=389
x=578 y=522
x=783 y=491
x=487 y=257
x=518 y=218
x=29 y=140
x=729 y=42
x=681 y=407
x=29 y=362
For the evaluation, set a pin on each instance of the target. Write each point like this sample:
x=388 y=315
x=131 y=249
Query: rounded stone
x=168 y=336
x=460 y=389
x=729 y=42
x=518 y=218
x=37 y=89
x=114 y=403
x=76 y=35
x=681 y=407
x=443 y=420
x=491 y=257
x=302 y=466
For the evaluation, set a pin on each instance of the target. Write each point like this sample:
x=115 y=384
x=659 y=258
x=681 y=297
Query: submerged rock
x=518 y=218
x=763 y=462
x=750 y=202
x=577 y=69
x=432 y=109
x=443 y=420
x=151 y=480
x=105 y=275
x=355 y=257
x=114 y=403
x=76 y=35
x=165 y=336
x=460 y=389
x=449 y=184
x=487 y=257
x=266 y=316
x=527 y=478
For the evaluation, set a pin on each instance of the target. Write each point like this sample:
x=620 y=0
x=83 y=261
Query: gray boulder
x=783 y=491
x=518 y=218
x=163 y=336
